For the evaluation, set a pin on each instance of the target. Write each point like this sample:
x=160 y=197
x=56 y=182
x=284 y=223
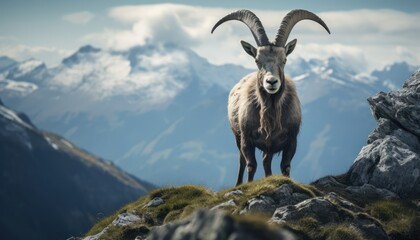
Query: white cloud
x=366 y=38
x=82 y=17
x=22 y=52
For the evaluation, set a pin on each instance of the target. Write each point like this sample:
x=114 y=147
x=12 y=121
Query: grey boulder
x=391 y=160
x=216 y=225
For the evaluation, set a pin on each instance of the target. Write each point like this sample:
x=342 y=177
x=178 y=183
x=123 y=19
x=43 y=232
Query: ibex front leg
x=287 y=156
x=267 y=157
x=248 y=150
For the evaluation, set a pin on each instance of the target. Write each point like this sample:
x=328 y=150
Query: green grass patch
x=309 y=228
x=400 y=219
x=305 y=228
x=126 y=232
x=181 y=202
x=104 y=222
x=342 y=232
x=267 y=186
x=177 y=201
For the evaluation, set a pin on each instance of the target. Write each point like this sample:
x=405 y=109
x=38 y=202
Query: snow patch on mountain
x=14 y=127
x=11 y=115
x=53 y=145
x=69 y=145
x=98 y=72
x=17 y=87
x=27 y=67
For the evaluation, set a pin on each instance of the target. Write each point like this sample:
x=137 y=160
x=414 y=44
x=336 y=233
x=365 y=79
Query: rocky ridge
x=378 y=198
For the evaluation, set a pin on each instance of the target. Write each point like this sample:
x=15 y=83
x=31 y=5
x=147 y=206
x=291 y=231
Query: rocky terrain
x=378 y=198
x=50 y=188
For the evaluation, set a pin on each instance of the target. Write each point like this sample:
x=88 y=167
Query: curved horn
x=251 y=20
x=289 y=22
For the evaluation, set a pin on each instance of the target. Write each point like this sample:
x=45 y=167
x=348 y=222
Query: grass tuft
x=342 y=232
x=400 y=219
x=305 y=228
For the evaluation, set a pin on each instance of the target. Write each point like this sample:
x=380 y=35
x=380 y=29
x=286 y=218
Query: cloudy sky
x=367 y=34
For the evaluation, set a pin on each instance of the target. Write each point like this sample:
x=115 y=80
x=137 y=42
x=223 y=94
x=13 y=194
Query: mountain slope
x=51 y=189
x=6 y=62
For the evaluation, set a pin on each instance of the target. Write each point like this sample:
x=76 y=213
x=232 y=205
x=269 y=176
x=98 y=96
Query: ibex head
x=270 y=57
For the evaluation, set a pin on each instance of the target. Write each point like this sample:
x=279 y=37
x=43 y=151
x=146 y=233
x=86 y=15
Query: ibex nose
x=272 y=81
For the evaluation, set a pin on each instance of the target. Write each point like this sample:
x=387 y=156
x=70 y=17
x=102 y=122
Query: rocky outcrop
x=215 y=225
x=282 y=196
x=391 y=160
x=332 y=209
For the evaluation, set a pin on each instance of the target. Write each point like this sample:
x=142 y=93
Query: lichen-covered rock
x=230 y=203
x=261 y=204
x=236 y=193
x=94 y=237
x=331 y=209
x=370 y=191
x=125 y=219
x=391 y=160
x=401 y=106
x=154 y=202
x=122 y=220
x=328 y=182
x=215 y=225
x=284 y=195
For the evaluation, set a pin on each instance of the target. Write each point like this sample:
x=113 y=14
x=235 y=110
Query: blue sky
x=51 y=30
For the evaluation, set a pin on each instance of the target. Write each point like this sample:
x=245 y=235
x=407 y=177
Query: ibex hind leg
x=242 y=164
x=287 y=156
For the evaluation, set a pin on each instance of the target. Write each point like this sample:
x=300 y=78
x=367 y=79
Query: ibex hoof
x=286 y=172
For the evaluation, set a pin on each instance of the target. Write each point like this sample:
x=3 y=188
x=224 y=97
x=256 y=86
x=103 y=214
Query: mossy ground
x=399 y=219
x=180 y=202
x=310 y=229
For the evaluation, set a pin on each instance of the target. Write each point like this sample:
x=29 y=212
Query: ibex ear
x=249 y=49
x=290 y=46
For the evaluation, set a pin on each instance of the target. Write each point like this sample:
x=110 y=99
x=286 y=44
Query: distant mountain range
x=50 y=188
x=159 y=111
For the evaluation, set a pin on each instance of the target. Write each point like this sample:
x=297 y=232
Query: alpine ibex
x=263 y=108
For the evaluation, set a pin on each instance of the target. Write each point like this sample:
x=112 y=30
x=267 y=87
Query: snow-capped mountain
x=159 y=111
x=21 y=79
x=390 y=76
x=51 y=189
x=6 y=62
